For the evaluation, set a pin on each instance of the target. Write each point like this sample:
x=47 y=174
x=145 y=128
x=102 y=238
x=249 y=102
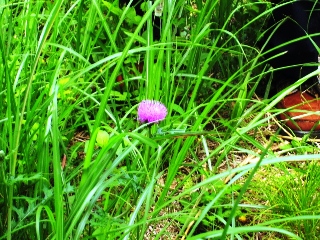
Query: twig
x=299 y=138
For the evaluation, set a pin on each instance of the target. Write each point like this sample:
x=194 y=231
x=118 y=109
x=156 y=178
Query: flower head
x=151 y=111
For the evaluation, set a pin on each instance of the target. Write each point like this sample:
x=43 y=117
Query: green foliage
x=75 y=162
x=297 y=195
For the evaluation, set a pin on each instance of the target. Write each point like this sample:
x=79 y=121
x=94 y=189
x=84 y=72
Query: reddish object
x=298 y=104
x=120 y=81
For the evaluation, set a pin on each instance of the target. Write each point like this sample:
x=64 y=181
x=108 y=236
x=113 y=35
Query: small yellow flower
x=242 y=219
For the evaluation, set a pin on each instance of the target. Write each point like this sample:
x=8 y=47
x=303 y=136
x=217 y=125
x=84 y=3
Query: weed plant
x=75 y=162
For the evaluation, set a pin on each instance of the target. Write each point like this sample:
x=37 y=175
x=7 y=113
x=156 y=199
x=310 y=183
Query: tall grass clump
x=77 y=162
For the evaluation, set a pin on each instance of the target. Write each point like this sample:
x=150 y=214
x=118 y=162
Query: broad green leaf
x=102 y=138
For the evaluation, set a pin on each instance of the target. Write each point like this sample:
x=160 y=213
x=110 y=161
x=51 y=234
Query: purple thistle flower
x=151 y=111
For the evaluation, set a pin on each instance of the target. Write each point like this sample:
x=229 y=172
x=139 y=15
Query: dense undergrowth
x=77 y=164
